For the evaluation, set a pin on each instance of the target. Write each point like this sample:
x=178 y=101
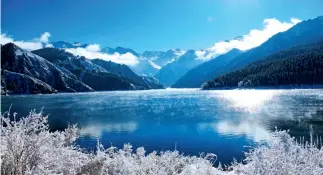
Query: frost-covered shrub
x=283 y=156
x=27 y=147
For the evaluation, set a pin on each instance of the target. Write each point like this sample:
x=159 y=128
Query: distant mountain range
x=50 y=70
x=149 y=61
x=64 y=44
x=303 y=33
x=171 y=72
x=195 y=77
x=64 y=72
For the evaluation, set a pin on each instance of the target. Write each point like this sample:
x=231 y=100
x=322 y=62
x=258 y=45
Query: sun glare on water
x=248 y=100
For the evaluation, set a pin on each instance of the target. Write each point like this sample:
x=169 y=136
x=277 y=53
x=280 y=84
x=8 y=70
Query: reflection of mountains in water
x=312 y=125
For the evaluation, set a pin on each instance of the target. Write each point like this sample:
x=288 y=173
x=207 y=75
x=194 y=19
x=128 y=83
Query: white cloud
x=37 y=43
x=4 y=39
x=93 y=51
x=254 y=38
x=29 y=45
x=203 y=55
x=44 y=37
x=96 y=130
x=295 y=20
x=93 y=48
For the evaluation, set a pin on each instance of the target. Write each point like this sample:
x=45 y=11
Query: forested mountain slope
x=297 y=66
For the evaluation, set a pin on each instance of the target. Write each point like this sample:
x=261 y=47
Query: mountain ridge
x=302 y=33
x=80 y=65
x=18 y=60
x=295 y=67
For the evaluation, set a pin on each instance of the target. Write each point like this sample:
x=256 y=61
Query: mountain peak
x=11 y=47
x=235 y=50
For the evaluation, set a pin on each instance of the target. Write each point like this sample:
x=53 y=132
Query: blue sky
x=147 y=24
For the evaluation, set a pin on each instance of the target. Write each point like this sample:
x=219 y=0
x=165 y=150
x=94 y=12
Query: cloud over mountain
x=34 y=44
x=44 y=38
x=93 y=51
x=254 y=38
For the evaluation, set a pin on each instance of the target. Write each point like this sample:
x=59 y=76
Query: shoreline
x=287 y=87
x=170 y=89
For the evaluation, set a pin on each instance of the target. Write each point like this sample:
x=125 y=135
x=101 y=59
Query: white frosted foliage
x=28 y=147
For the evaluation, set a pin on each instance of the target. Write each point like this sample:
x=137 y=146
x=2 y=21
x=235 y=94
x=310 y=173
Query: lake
x=225 y=122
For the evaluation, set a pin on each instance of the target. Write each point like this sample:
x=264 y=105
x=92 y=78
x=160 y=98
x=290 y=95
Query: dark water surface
x=190 y=120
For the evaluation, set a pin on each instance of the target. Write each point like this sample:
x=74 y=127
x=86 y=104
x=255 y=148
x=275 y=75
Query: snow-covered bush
x=28 y=147
x=284 y=156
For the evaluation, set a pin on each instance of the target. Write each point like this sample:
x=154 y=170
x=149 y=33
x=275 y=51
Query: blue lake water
x=190 y=120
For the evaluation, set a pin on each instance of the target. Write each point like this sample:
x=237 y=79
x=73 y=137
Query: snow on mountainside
x=67 y=60
x=152 y=61
x=125 y=71
x=154 y=64
x=171 y=72
x=120 y=50
x=64 y=44
x=149 y=62
x=144 y=68
x=16 y=83
x=152 y=55
x=18 y=60
x=162 y=58
x=107 y=71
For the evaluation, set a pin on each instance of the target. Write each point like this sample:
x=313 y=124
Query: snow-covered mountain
x=149 y=62
x=64 y=44
x=125 y=71
x=15 y=59
x=171 y=72
x=16 y=83
x=113 y=72
x=160 y=58
x=120 y=50
x=67 y=60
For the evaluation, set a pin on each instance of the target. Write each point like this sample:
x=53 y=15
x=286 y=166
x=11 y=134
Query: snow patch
x=154 y=64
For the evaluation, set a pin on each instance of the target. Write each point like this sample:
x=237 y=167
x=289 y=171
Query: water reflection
x=222 y=122
x=251 y=130
x=96 y=130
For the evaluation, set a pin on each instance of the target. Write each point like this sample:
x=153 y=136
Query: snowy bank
x=28 y=147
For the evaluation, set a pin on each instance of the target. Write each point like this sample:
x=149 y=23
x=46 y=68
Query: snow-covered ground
x=28 y=147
